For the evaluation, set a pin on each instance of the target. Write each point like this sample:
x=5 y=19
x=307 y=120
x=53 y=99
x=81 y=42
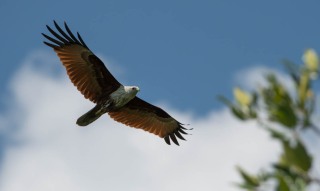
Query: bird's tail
x=91 y=115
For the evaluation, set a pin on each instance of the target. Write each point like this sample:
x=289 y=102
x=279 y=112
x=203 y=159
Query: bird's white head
x=132 y=89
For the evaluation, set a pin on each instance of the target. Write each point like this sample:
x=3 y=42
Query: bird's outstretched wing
x=142 y=115
x=86 y=71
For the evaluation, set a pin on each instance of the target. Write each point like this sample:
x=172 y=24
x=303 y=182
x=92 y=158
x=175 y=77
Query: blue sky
x=181 y=54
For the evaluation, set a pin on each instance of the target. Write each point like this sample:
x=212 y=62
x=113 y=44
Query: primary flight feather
x=88 y=73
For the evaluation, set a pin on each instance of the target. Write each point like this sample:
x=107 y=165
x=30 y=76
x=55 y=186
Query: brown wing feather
x=142 y=115
x=86 y=71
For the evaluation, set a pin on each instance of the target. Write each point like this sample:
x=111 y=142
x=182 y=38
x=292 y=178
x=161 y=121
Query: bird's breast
x=120 y=97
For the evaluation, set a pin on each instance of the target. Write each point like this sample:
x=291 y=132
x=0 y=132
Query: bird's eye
x=134 y=88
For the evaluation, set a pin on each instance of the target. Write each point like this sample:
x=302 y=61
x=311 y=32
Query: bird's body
x=88 y=73
x=123 y=95
x=115 y=101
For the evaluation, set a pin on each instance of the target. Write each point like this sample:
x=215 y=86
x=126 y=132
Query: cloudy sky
x=181 y=54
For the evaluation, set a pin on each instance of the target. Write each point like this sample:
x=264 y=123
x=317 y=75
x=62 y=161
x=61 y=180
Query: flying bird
x=91 y=77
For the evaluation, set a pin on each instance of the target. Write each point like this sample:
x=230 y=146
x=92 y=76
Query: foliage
x=285 y=114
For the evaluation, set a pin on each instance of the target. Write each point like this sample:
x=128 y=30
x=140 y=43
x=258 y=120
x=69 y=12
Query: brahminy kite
x=91 y=77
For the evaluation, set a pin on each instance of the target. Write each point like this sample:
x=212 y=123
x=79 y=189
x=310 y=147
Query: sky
x=181 y=54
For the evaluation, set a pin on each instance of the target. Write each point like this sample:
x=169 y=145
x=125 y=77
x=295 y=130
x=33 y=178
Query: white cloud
x=255 y=77
x=55 y=154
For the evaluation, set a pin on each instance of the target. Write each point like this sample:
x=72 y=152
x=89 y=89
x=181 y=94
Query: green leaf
x=279 y=105
x=293 y=70
x=283 y=114
x=252 y=114
x=225 y=101
x=277 y=134
x=295 y=160
x=238 y=113
x=282 y=184
x=250 y=181
x=293 y=173
x=300 y=185
x=296 y=156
